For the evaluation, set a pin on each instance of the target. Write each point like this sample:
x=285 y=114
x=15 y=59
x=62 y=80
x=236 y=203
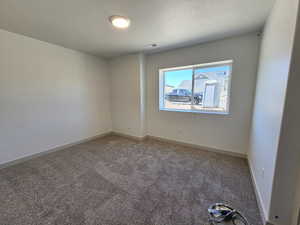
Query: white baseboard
x=261 y=207
x=23 y=159
x=136 y=138
x=205 y=148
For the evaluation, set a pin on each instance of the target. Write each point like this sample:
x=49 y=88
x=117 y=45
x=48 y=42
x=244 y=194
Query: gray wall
x=274 y=66
x=49 y=96
x=230 y=132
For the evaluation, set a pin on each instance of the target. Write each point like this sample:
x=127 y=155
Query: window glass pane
x=196 y=88
x=211 y=88
x=177 y=89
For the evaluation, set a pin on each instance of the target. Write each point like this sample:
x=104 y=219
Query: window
x=203 y=88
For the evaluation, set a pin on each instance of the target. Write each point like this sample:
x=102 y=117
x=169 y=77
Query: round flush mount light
x=120 y=22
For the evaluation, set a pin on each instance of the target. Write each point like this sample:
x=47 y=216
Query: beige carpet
x=117 y=181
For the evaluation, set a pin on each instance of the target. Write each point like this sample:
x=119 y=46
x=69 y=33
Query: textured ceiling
x=83 y=24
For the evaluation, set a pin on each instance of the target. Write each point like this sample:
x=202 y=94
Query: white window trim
x=213 y=64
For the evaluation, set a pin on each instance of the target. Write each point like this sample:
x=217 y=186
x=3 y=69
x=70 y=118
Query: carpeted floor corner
x=117 y=181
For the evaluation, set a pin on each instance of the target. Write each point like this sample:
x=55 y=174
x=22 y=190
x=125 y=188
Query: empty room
x=158 y=112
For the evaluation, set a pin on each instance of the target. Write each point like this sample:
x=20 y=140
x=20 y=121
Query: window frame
x=161 y=86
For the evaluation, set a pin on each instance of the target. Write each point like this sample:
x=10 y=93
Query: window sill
x=196 y=111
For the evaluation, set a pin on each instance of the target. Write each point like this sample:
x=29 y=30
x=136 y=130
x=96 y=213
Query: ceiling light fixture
x=119 y=21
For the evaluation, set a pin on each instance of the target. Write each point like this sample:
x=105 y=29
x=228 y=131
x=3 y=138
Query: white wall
x=127 y=100
x=276 y=50
x=230 y=132
x=287 y=171
x=49 y=96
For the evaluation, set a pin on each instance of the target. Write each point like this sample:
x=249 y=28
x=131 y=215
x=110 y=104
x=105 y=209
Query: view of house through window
x=199 y=88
